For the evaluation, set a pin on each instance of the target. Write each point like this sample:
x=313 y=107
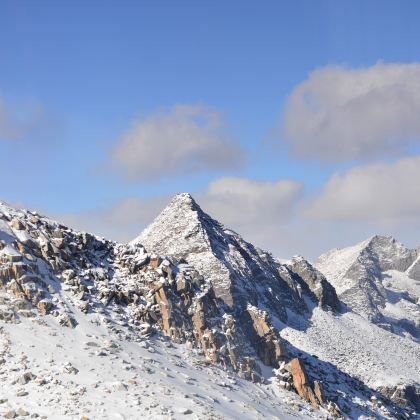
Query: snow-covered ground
x=359 y=348
x=334 y=265
x=89 y=371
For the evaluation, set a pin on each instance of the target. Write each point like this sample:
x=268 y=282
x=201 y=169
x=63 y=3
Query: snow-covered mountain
x=380 y=279
x=184 y=230
x=189 y=319
x=240 y=273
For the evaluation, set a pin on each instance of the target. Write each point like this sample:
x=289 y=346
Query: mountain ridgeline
x=322 y=331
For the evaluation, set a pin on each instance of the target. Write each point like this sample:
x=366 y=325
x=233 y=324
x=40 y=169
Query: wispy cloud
x=121 y=221
x=182 y=140
x=23 y=120
x=342 y=114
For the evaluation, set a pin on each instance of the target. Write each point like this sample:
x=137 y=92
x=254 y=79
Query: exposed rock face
x=266 y=339
x=302 y=383
x=315 y=283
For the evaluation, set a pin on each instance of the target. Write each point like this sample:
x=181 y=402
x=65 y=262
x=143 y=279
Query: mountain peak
x=181 y=226
x=382 y=240
x=365 y=274
x=236 y=269
x=182 y=205
x=373 y=256
x=183 y=199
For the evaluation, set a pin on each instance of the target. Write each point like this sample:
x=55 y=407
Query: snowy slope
x=180 y=327
x=336 y=263
x=148 y=378
x=376 y=356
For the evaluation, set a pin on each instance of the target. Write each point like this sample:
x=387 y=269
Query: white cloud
x=249 y=204
x=381 y=192
x=181 y=140
x=341 y=114
x=258 y=210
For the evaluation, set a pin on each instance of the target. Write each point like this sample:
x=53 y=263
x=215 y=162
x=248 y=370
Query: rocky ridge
x=186 y=277
x=379 y=279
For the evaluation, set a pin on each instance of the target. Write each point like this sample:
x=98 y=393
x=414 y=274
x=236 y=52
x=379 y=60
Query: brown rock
x=155 y=261
x=301 y=382
x=17 y=224
x=182 y=284
x=22 y=413
x=268 y=344
x=319 y=392
x=44 y=306
x=26 y=377
x=6 y=274
x=167 y=269
x=19 y=269
x=165 y=309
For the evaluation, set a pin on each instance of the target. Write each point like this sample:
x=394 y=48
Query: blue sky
x=77 y=75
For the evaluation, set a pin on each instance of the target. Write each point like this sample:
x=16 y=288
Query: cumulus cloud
x=122 y=221
x=371 y=192
x=258 y=210
x=341 y=114
x=250 y=203
x=25 y=120
x=181 y=140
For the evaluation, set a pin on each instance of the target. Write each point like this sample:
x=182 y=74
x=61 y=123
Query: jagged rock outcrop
x=314 y=283
x=302 y=383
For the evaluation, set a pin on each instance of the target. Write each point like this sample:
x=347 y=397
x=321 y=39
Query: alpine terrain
x=189 y=320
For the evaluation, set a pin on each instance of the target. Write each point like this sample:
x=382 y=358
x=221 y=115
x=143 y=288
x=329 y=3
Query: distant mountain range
x=262 y=338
